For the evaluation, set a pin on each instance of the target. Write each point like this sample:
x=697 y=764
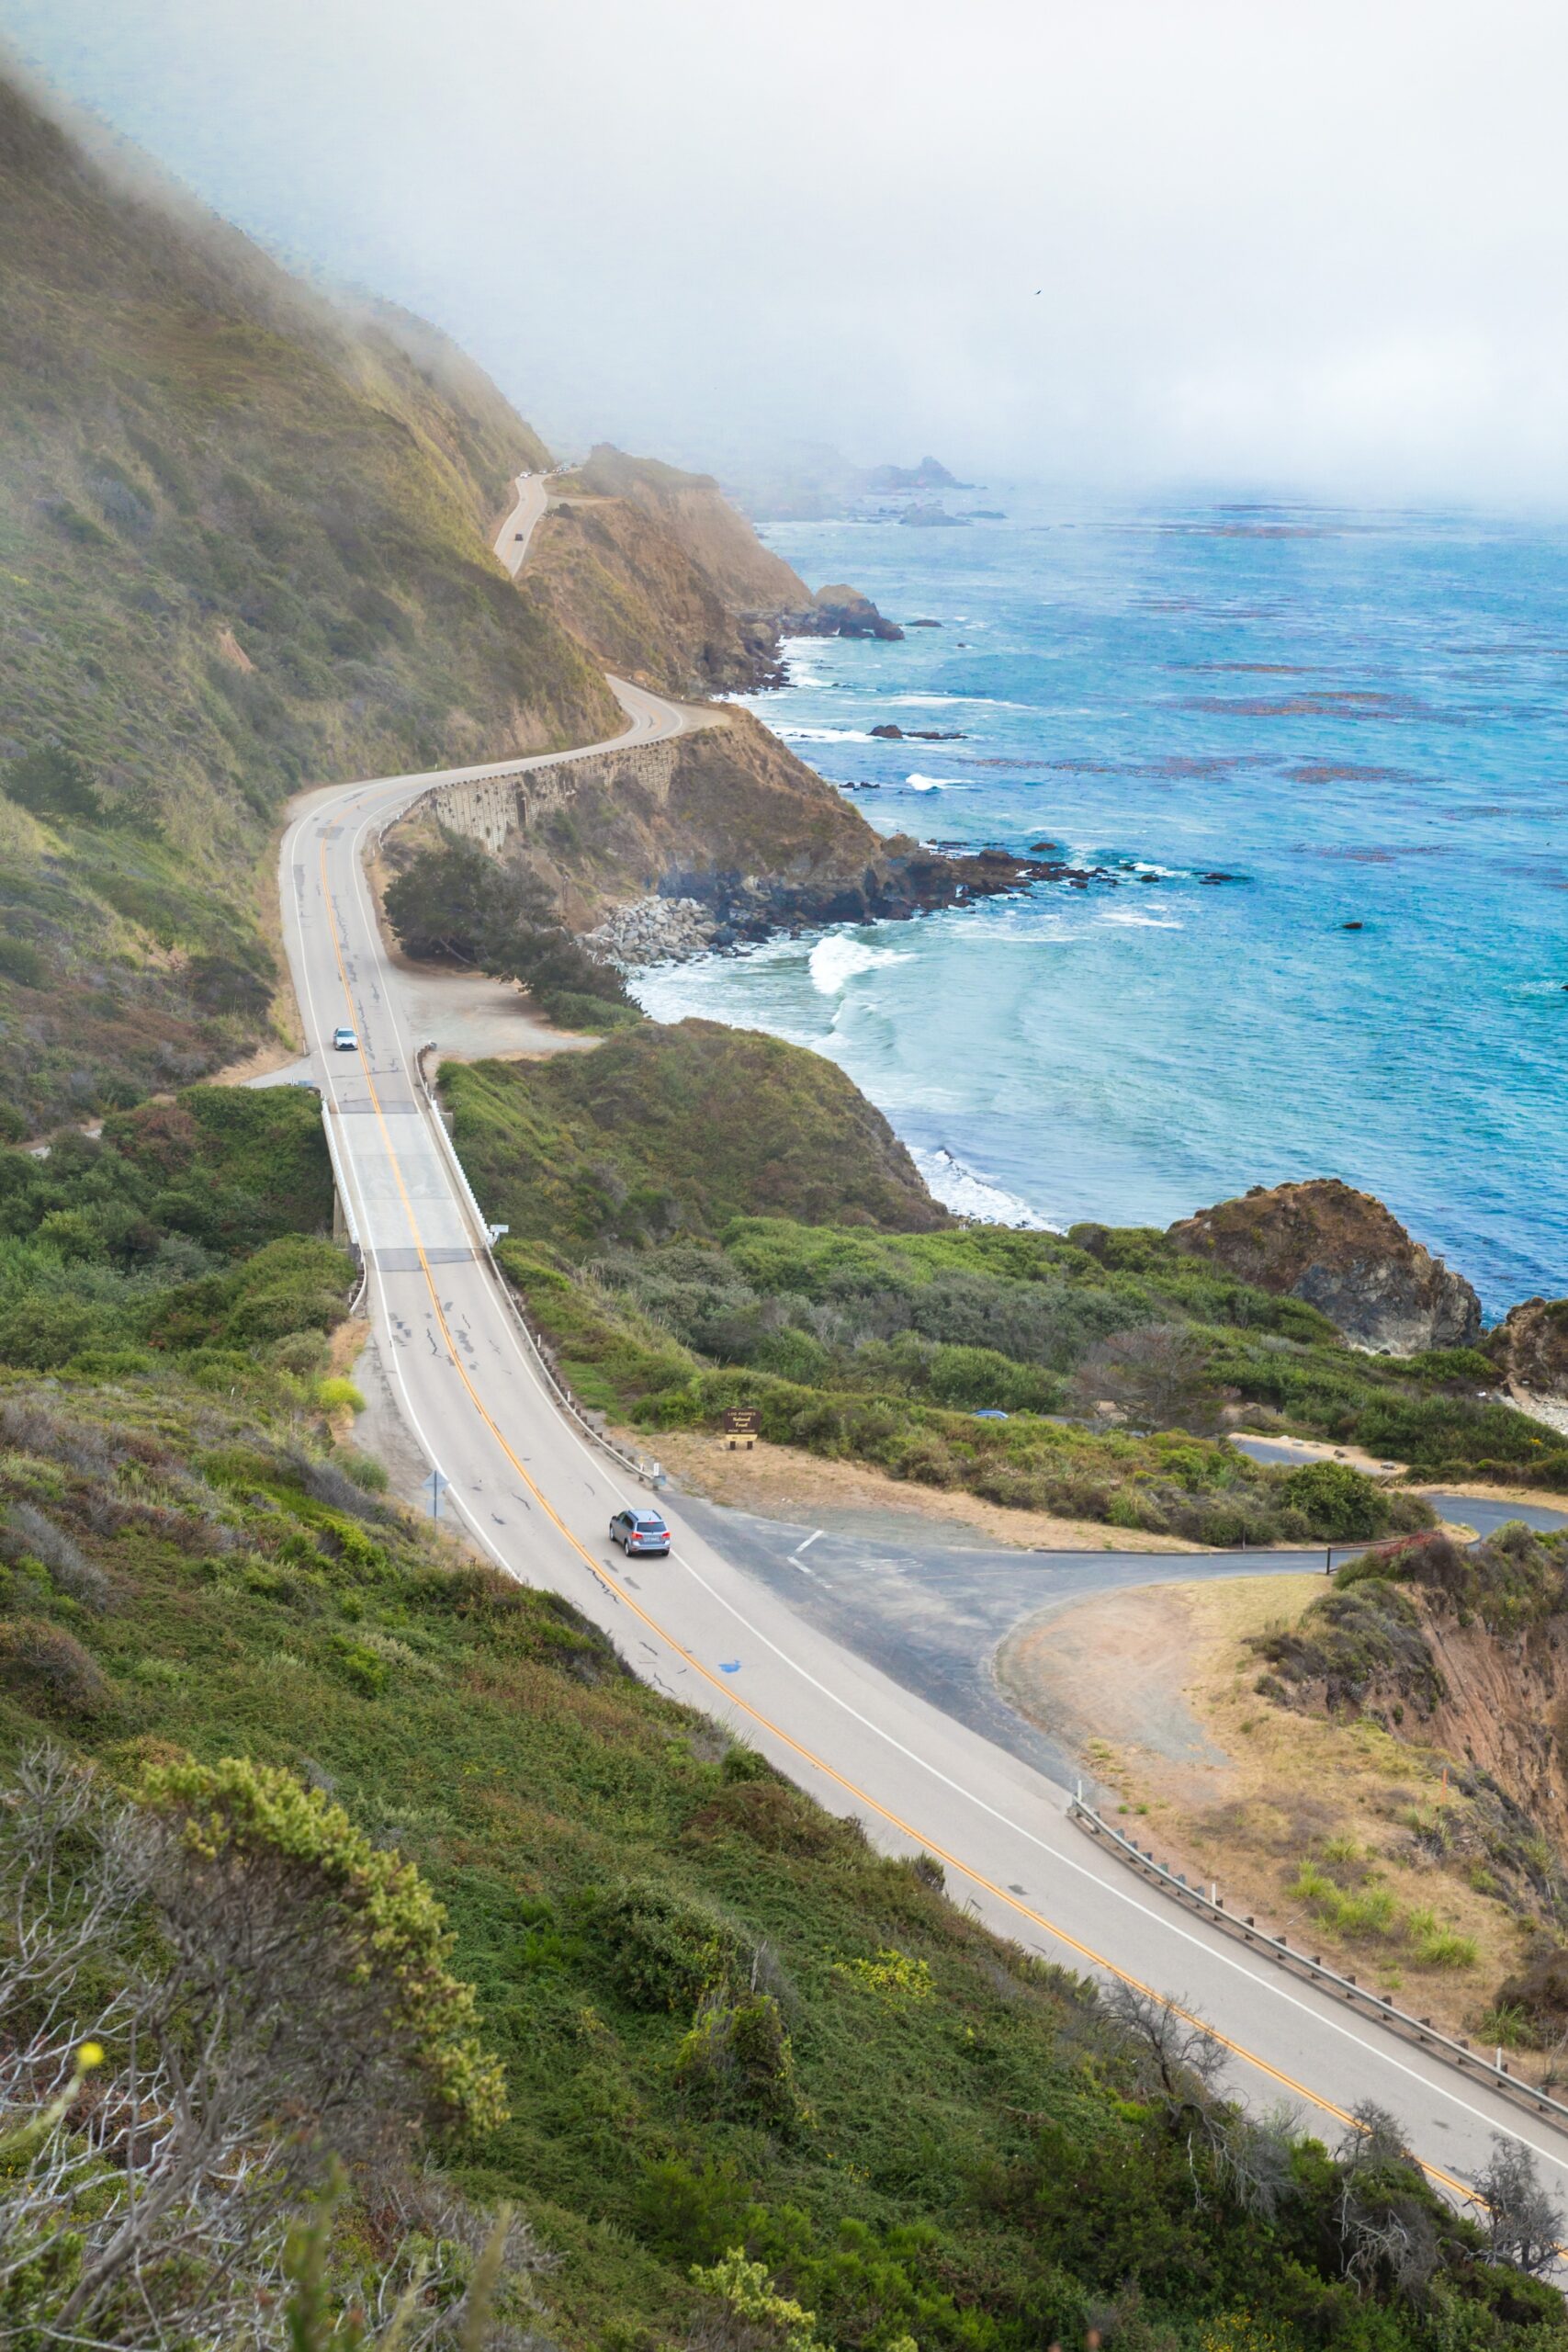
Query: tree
x=53 y=782
x=1523 y=2227
x=457 y=901
x=279 y=2001
x=1157 y=1376
x=1387 y=2217
x=1178 y=2066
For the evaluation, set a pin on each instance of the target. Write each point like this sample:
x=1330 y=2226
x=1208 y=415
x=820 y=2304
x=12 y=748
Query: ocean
x=1362 y=716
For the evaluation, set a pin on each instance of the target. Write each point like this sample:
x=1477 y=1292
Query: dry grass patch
x=1312 y=1825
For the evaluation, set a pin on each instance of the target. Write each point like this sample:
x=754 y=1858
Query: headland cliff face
x=714 y=837
x=662 y=579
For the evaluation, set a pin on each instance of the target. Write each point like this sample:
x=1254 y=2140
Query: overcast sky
x=1273 y=244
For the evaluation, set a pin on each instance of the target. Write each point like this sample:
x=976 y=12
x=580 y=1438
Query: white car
x=344 y=1039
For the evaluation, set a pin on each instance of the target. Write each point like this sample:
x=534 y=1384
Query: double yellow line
x=861 y=1800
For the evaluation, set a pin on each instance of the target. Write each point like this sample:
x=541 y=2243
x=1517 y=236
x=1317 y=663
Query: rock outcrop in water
x=1345 y=1254
x=838 y=611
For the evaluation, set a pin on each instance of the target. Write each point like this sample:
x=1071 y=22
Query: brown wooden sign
x=742 y=1421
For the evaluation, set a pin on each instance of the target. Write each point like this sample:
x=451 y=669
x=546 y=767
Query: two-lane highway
x=528 y=507
x=537 y=1497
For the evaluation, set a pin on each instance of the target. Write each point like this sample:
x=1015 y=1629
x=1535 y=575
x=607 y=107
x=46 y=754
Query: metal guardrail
x=558 y=1388
x=1310 y=1969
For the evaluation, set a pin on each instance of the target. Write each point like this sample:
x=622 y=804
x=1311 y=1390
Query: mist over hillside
x=244 y=543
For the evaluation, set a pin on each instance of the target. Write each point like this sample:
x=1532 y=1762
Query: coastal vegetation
x=456 y=902
x=700 y=1217
x=191 y=1230
x=1392 y=1779
x=733 y=2077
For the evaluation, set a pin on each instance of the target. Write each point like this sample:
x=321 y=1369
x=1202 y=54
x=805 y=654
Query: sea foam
x=836 y=960
x=960 y=1189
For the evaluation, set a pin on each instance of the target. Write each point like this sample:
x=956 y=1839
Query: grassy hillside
x=193 y=1233
x=243 y=544
x=724 y=2023
x=748 y=576
x=660 y=576
x=680 y=1129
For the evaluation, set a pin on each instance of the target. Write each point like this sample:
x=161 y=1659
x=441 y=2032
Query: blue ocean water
x=1362 y=714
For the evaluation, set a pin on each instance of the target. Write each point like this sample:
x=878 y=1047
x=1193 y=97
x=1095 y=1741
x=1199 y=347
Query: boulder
x=1345 y=1254
x=1530 y=1345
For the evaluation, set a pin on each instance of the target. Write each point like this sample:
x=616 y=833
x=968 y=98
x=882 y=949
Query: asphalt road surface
x=512 y=540
x=536 y=1497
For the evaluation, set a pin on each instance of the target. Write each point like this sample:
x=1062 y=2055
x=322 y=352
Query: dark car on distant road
x=640 y=1531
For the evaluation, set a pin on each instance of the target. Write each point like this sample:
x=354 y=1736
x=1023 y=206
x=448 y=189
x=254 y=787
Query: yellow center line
x=817 y=1763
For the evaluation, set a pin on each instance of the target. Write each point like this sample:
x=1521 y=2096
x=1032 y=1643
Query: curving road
x=528 y=507
x=536 y=1497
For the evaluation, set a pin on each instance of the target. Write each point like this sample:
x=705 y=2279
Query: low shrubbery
x=191 y=1225
x=734 y=2037
x=867 y=1324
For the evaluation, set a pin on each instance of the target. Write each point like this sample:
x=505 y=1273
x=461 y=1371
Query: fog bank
x=1136 y=243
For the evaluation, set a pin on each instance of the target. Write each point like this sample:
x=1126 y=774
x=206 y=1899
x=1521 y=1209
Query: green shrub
x=338 y=1395
x=664 y=1951
x=736 y=2059
x=44 y=1331
x=53 y=782
x=1339 y=1503
x=48 y=1669
x=237 y=1816
x=689 y=2212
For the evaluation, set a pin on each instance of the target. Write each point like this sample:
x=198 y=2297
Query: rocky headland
x=1343 y=1252
x=1531 y=1347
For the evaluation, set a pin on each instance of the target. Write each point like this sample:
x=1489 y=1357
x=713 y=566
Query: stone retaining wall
x=491 y=808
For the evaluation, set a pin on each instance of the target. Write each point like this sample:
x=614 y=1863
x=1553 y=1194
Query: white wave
x=1134 y=917
x=951 y=702
x=967 y=1195
x=822 y=735
x=836 y=960
x=932 y=784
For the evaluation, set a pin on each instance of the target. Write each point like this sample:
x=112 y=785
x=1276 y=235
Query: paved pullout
x=933 y=1614
x=536 y=1497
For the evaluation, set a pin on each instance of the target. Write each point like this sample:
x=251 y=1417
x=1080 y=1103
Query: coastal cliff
x=662 y=579
x=1531 y=1347
x=712 y=836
